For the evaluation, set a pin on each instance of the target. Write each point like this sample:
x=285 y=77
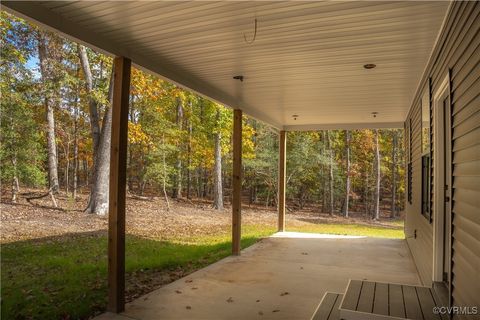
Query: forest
x=55 y=131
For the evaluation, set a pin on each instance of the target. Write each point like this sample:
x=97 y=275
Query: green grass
x=353 y=230
x=66 y=277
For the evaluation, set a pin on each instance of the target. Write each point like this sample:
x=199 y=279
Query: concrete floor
x=282 y=277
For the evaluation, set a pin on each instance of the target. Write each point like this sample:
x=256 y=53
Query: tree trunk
x=49 y=101
x=394 y=175
x=177 y=182
x=377 y=166
x=324 y=172
x=347 y=184
x=189 y=161
x=164 y=186
x=15 y=185
x=75 y=142
x=330 y=174
x=67 y=166
x=366 y=195
x=99 y=194
x=92 y=103
x=75 y=157
x=218 y=190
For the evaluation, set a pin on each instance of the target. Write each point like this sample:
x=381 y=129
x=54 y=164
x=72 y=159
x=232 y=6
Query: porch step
x=366 y=300
x=328 y=307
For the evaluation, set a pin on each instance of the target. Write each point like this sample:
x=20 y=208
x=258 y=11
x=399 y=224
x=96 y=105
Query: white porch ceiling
x=307 y=58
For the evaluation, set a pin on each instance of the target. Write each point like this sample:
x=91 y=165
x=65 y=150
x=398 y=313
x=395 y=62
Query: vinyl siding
x=457 y=50
x=415 y=222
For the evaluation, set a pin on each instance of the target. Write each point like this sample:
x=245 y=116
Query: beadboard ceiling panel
x=307 y=58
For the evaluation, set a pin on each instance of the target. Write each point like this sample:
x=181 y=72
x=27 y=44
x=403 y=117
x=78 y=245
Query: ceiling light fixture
x=369 y=66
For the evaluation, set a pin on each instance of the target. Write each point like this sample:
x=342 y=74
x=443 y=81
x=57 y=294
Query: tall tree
x=92 y=101
x=21 y=149
x=348 y=173
x=323 y=171
x=177 y=185
x=99 y=194
x=218 y=188
x=330 y=180
x=49 y=55
x=394 y=173
x=98 y=201
x=377 y=171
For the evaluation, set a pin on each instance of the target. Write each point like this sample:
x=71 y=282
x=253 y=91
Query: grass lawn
x=65 y=277
x=353 y=230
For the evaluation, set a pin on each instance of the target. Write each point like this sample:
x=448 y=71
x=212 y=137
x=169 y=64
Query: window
x=426 y=157
x=426 y=121
x=409 y=161
x=426 y=186
x=409 y=182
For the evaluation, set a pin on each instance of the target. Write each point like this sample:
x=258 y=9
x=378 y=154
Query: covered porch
x=281 y=277
x=315 y=65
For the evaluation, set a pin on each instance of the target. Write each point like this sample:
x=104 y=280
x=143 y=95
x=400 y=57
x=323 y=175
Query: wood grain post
x=282 y=149
x=118 y=169
x=237 y=182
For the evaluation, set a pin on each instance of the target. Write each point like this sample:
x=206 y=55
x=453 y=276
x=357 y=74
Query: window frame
x=426 y=159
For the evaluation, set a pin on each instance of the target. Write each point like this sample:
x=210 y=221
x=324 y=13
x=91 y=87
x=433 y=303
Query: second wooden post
x=237 y=182
x=282 y=148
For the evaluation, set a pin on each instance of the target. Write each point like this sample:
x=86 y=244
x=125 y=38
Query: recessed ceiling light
x=369 y=66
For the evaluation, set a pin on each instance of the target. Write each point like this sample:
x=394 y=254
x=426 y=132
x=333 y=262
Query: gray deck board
x=396 y=305
x=412 y=306
x=380 y=303
x=427 y=303
x=350 y=301
x=328 y=308
x=335 y=314
x=365 y=301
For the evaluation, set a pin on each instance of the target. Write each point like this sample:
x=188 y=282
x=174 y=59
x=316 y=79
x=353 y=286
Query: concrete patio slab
x=281 y=277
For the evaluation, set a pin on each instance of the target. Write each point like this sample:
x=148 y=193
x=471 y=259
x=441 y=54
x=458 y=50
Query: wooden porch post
x=118 y=168
x=237 y=182
x=281 y=179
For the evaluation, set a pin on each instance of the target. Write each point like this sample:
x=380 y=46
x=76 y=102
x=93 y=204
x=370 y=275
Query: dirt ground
x=145 y=217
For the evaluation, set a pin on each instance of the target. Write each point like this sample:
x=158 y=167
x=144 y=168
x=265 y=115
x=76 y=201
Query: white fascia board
x=345 y=126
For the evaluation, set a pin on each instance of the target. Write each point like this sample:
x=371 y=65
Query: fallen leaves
x=149 y=219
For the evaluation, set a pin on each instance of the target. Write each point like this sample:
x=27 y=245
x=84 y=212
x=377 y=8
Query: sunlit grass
x=352 y=230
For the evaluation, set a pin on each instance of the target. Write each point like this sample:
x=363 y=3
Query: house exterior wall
x=458 y=52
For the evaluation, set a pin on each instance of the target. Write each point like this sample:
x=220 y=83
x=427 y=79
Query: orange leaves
x=146 y=86
x=137 y=136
